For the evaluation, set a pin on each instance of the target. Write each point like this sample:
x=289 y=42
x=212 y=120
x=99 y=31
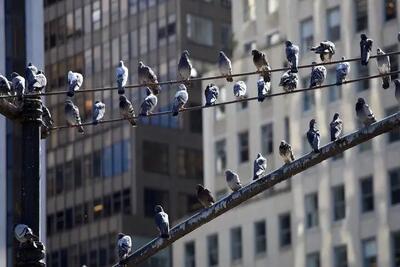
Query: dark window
x=63 y=258
x=340 y=254
x=107 y=163
x=308 y=100
x=267 y=139
x=60 y=221
x=390 y=9
x=393 y=135
x=68 y=173
x=190 y=254
x=396 y=249
x=394 y=177
x=361 y=10
x=287 y=129
x=50 y=224
x=78 y=173
x=260 y=237
x=116 y=202
x=212 y=248
x=312 y=260
x=311 y=207
x=86 y=217
x=69 y=223
x=243 y=147
x=117 y=158
x=369 y=252
x=306 y=34
x=220 y=156
x=149 y=150
x=126 y=201
x=339 y=202
x=195 y=120
x=285 y=233
x=190 y=163
x=153 y=197
x=236 y=244
x=78 y=212
x=59 y=179
x=97 y=164
x=50 y=182
x=333 y=24
x=106 y=206
x=367 y=194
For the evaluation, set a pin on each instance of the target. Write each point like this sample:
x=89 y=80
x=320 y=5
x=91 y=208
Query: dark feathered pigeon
x=261 y=62
x=18 y=85
x=184 y=66
x=289 y=81
x=75 y=81
x=124 y=246
x=204 y=196
x=99 y=109
x=364 y=113
x=126 y=110
x=47 y=122
x=326 y=50
x=292 y=55
x=259 y=166
x=5 y=86
x=383 y=67
x=240 y=90
x=318 y=75
x=149 y=103
x=181 y=98
x=233 y=181
x=225 y=66
x=24 y=234
x=397 y=89
x=285 y=150
x=342 y=70
x=72 y=115
x=211 y=94
x=365 y=49
x=313 y=136
x=336 y=127
x=162 y=221
x=147 y=76
x=122 y=74
x=263 y=89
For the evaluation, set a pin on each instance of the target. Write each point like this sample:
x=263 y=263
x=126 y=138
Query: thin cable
x=201 y=78
x=229 y=102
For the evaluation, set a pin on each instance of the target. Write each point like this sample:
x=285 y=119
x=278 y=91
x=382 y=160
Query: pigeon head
x=141 y=64
x=97 y=101
x=68 y=101
x=121 y=63
x=120 y=235
x=312 y=123
x=361 y=100
x=122 y=98
x=343 y=58
x=283 y=143
x=396 y=82
x=221 y=54
x=29 y=64
x=199 y=188
x=259 y=155
x=379 y=51
x=182 y=87
x=363 y=36
x=313 y=63
x=255 y=52
x=148 y=91
x=288 y=43
x=228 y=172
x=185 y=52
x=158 y=209
x=14 y=74
x=336 y=116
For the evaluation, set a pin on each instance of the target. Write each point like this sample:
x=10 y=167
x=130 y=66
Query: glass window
x=334 y=92
x=190 y=163
x=367 y=194
x=78 y=172
x=96 y=15
x=394 y=177
x=59 y=179
x=190 y=254
x=396 y=249
x=390 y=9
x=69 y=219
x=220 y=155
x=267 y=139
x=50 y=224
x=369 y=252
x=116 y=202
x=340 y=256
x=133 y=4
x=161 y=150
x=60 y=221
x=70 y=24
x=68 y=172
x=260 y=237
x=212 y=250
x=243 y=139
x=226 y=37
x=105 y=12
x=143 y=39
x=311 y=207
x=153 y=36
x=308 y=100
x=220 y=110
x=199 y=30
x=78 y=215
x=153 y=197
x=97 y=58
x=272 y=6
x=98 y=168
x=333 y=24
x=126 y=201
x=78 y=22
x=134 y=43
x=312 y=260
x=236 y=244
x=114 y=10
x=117 y=158
x=361 y=10
x=393 y=135
x=97 y=209
x=339 y=202
x=285 y=233
x=306 y=34
x=248 y=10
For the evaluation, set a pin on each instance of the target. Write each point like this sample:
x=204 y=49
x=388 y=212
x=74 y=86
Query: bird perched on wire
x=397 y=89
x=285 y=150
x=5 y=86
x=204 y=196
x=313 y=136
x=263 y=89
x=211 y=94
x=289 y=81
x=149 y=103
x=162 y=221
x=124 y=246
x=185 y=67
x=181 y=98
x=18 y=85
x=259 y=166
x=325 y=49
x=99 y=109
x=147 y=76
x=292 y=55
x=24 y=234
x=126 y=110
x=240 y=90
x=121 y=73
x=225 y=66
x=261 y=62
x=72 y=115
x=364 y=113
x=233 y=180
x=336 y=127
x=47 y=122
x=36 y=80
x=342 y=70
x=75 y=80
x=365 y=49
x=383 y=67
x=318 y=75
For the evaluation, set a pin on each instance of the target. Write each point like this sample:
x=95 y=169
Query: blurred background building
x=343 y=212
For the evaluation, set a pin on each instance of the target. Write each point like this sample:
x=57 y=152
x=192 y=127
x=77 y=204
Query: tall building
x=343 y=212
x=109 y=179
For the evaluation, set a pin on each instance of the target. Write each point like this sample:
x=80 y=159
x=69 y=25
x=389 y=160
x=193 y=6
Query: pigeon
x=263 y=89
x=5 y=86
x=261 y=62
x=24 y=234
x=239 y=90
x=36 y=80
x=260 y=166
x=225 y=66
x=204 y=196
x=47 y=122
x=99 y=109
x=292 y=55
x=397 y=89
x=383 y=67
x=162 y=221
x=365 y=49
x=147 y=76
x=75 y=81
x=211 y=94
x=18 y=85
x=336 y=127
x=122 y=73
x=126 y=110
x=285 y=150
x=72 y=115
x=184 y=66
x=313 y=136
x=318 y=75
x=289 y=81
x=149 y=103
x=233 y=180
x=325 y=49
x=181 y=98
x=342 y=70
x=124 y=246
x=364 y=113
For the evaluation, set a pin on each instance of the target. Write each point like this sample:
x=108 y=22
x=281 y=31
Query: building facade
x=343 y=212
x=109 y=179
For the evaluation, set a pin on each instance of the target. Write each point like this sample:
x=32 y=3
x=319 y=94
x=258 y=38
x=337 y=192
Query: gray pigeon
x=336 y=127
x=36 y=80
x=181 y=98
x=162 y=221
x=147 y=76
x=313 y=136
x=326 y=50
x=124 y=246
x=5 y=86
x=184 y=66
x=233 y=180
x=122 y=74
x=47 y=122
x=318 y=75
x=365 y=49
x=292 y=55
x=24 y=234
x=204 y=196
x=75 y=81
x=30 y=73
x=72 y=115
x=261 y=62
x=211 y=94
x=149 y=103
x=263 y=89
x=289 y=81
x=342 y=70
x=383 y=67
x=240 y=90
x=364 y=113
x=397 y=89
x=99 y=109
x=259 y=166
x=126 y=110
x=285 y=150
x=18 y=85
x=225 y=66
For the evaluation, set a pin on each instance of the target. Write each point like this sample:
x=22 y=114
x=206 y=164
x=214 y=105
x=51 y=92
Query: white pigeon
x=149 y=103
x=181 y=98
x=99 y=109
x=259 y=166
x=24 y=234
x=342 y=70
x=240 y=90
x=383 y=67
x=122 y=73
x=225 y=66
x=124 y=246
x=75 y=80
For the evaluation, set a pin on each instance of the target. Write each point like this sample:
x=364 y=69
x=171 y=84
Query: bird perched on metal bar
x=318 y=75
x=259 y=166
x=204 y=196
x=289 y=81
x=292 y=55
x=285 y=150
x=364 y=113
x=313 y=136
x=185 y=67
x=5 y=86
x=365 y=49
x=342 y=70
x=211 y=94
x=263 y=89
x=233 y=180
x=181 y=98
x=261 y=62
x=149 y=103
x=383 y=67
x=336 y=127
x=75 y=80
x=99 y=109
x=162 y=221
x=124 y=246
x=240 y=90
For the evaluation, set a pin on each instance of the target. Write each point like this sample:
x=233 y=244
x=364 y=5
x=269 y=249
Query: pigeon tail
x=266 y=76
x=71 y=93
x=121 y=91
x=229 y=79
x=385 y=82
x=294 y=69
x=261 y=98
x=165 y=235
x=95 y=122
x=132 y=121
x=81 y=130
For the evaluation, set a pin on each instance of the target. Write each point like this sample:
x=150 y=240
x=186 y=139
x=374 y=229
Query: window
x=78 y=172
x=267 y=139
x=272 y=6
x=78 y=213
x=394 y=60
x=60 y=221
x=393 y=135
x=361 y=9
x=97 y=168
x=190 y=254
x=220 y=155
x=143 y=39
x=246 y=10
x=390 y=9
x=334 y=92
x=363 y=71
x=226 y=37
x=311 y=208
x=96 y=15
x=260 y=237
x=149 y=149
x=369 y=252
x=287 y=128
x=195 y=120
x=243 y=147
x=70 y=25
x=69 y=219
x=394 y=177
x=199 y=30
x=247 y=47
x=339 y=202
x=59 y=179
x=307 y=34
x=97 y=209
x=308 y=100
x=133 y=6
x=273 y=38
x=396 y=249
x=153 y=197
x=212 y=246
x=78 y=22
x=333 y=24
x=190 y=163
x=50 y=224
x=340 y=256
x=236 y=244
x=117 y=202
x=126 y=201
x=367 y=194
x=312 y=260
x=107 y=206
x=220 y=110
x=285 y=233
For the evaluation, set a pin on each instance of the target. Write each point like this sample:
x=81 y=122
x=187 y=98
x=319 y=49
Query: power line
x=201 y=78
x=228 y=102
